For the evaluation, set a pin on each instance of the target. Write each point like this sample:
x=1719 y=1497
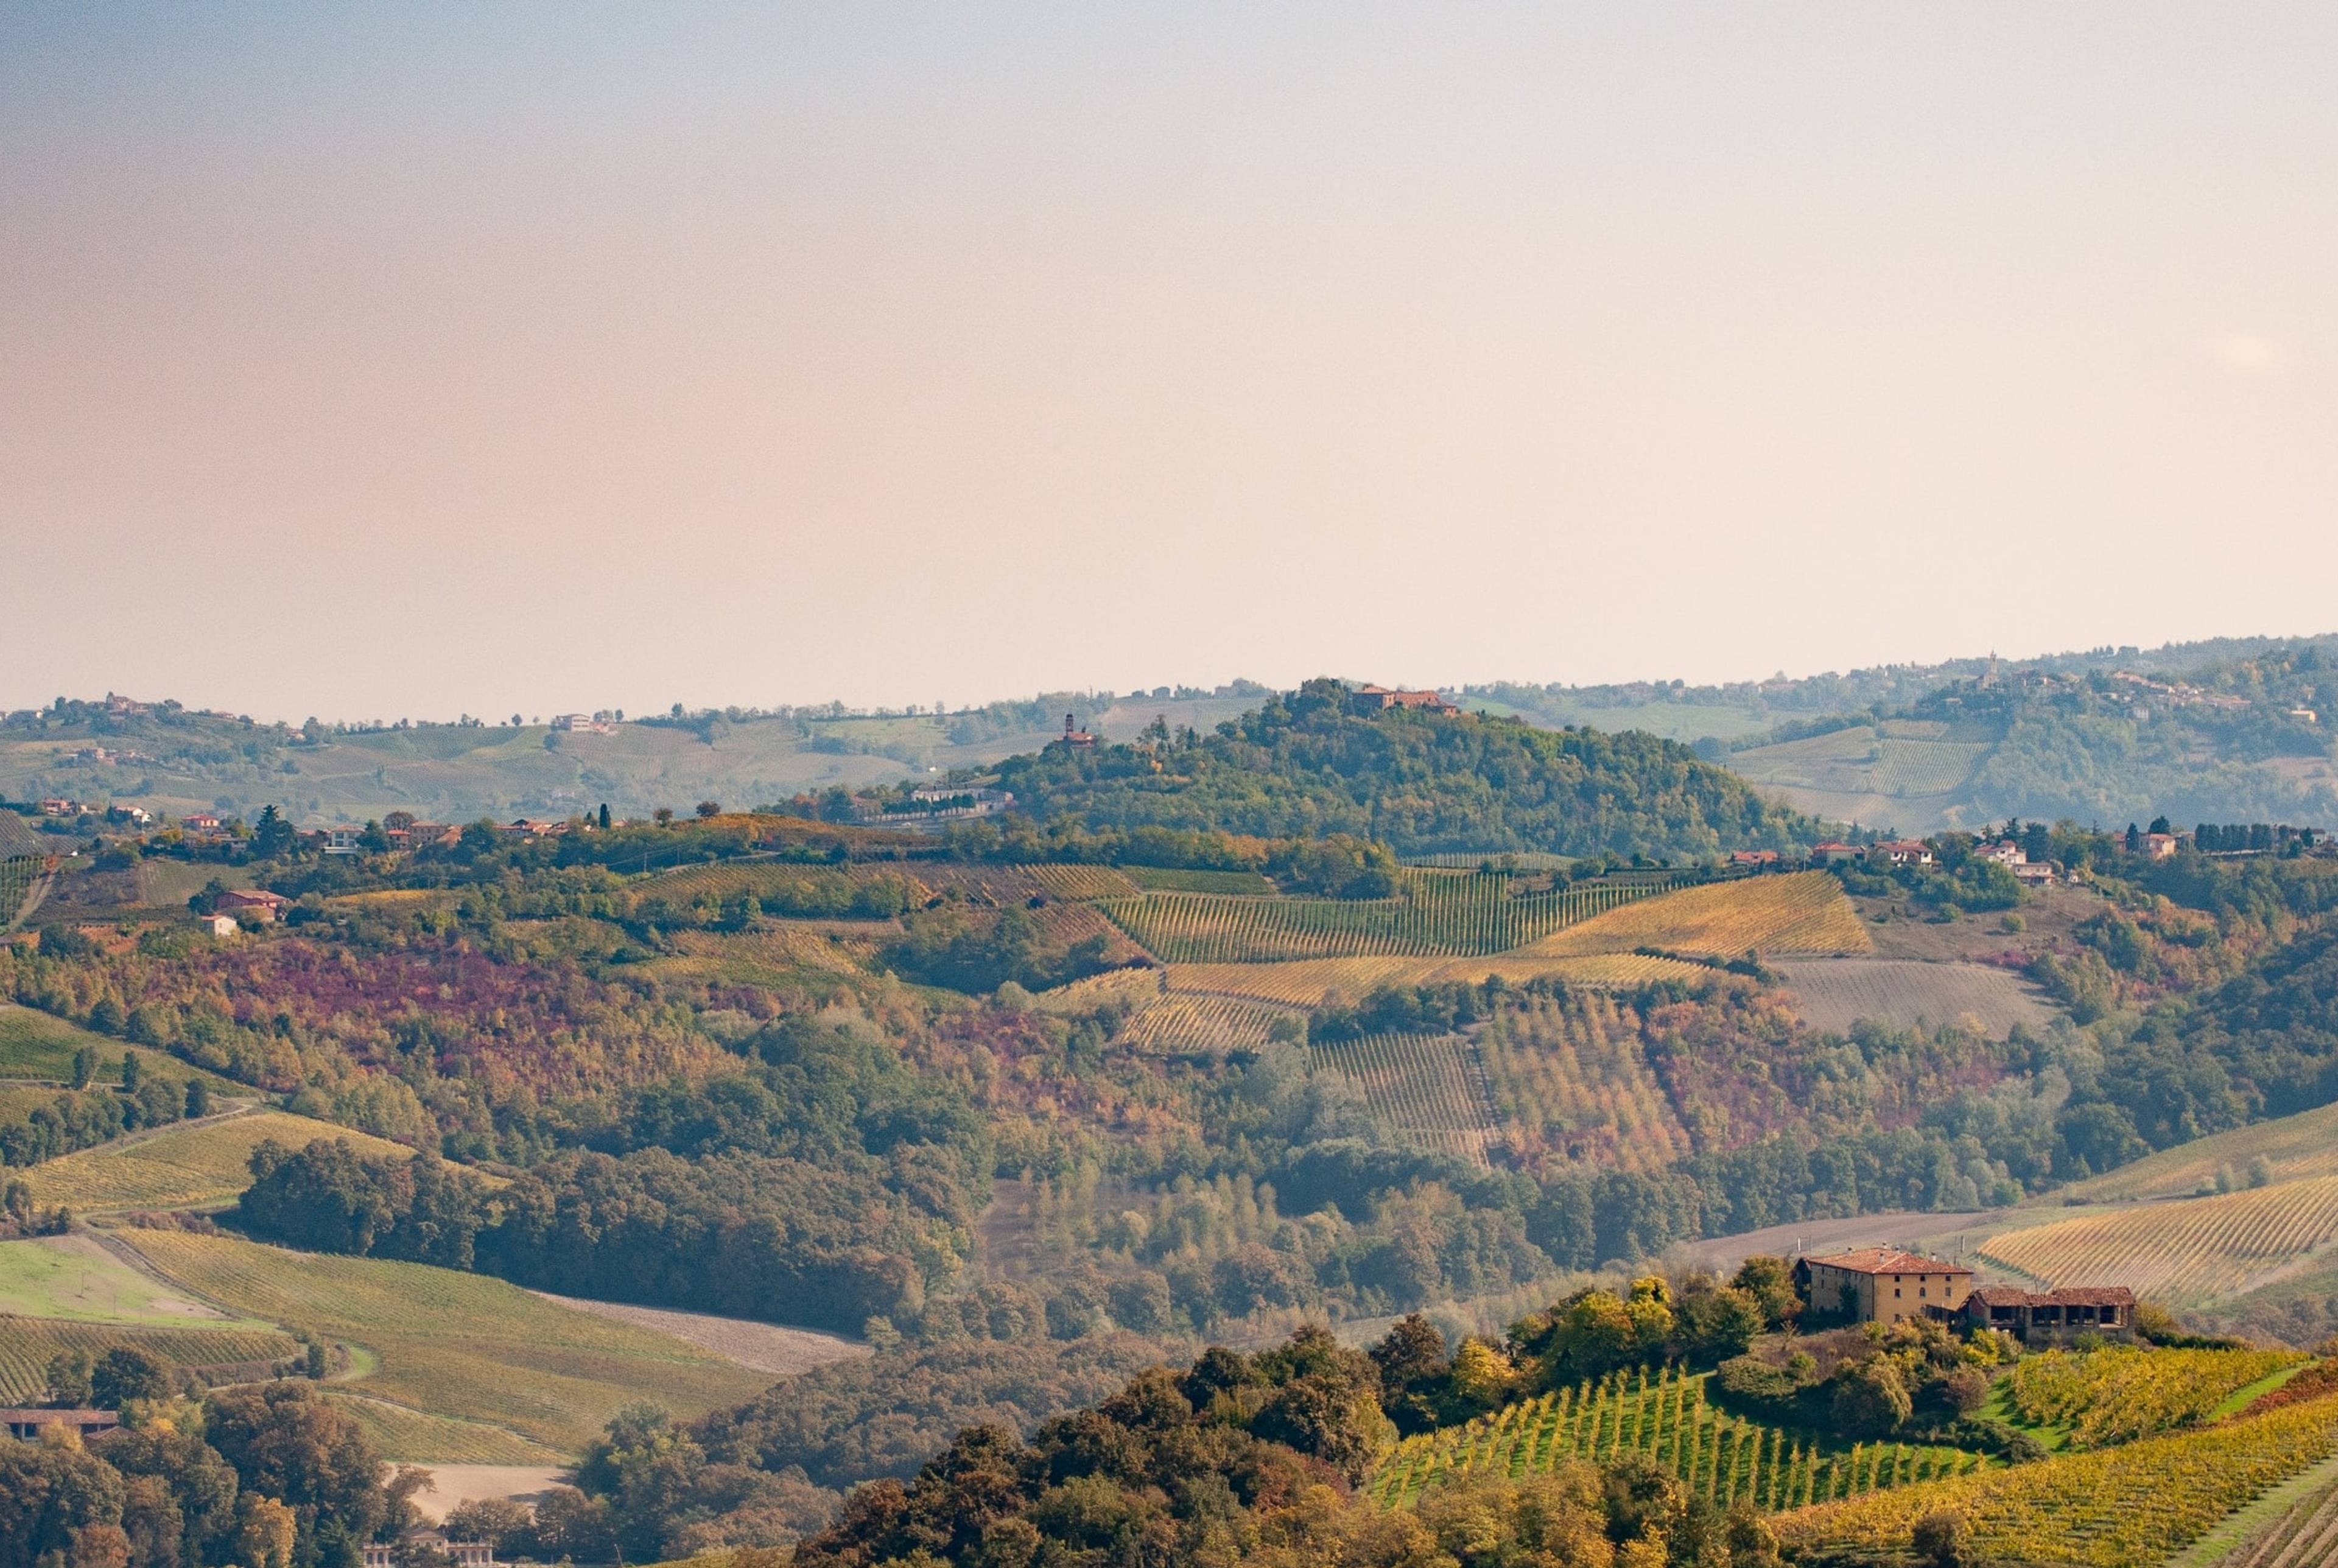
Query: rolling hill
x=173 y=760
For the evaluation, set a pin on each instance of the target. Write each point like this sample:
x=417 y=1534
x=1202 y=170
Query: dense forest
x=1305 y=764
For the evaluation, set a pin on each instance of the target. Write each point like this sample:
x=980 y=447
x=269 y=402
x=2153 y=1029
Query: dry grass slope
x=461 y=1346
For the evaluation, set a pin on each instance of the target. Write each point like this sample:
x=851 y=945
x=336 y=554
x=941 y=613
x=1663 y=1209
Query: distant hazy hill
x=1303 y=763
x=173 y=760
x=2206 y=731
x=2195 y=730
x=2245 y=738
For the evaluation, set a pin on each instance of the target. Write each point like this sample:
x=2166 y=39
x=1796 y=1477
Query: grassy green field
x=74 y=1278
x=182 y=1166
x=36 y=1046
x=462 y=1346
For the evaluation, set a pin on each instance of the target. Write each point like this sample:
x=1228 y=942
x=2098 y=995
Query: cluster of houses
x=405 y=835
x=1886 y=1285
x=1895 y=852
x=65 y=805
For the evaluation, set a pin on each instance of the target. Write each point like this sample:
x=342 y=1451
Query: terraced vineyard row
x=1664 y=1419
x=1214 y=1024
x=1427 y=1089
x=1436 y=915
x=2188 y=1250
x=2122 y=1508
x=2120 y=1393
x=27 y=1345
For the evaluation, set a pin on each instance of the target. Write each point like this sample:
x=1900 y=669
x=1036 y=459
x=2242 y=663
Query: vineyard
x=461 y=1346
x=1903 y=761
x=1170 y=1025
x=1666 y=1420
x=1437 y=913
x=1428 y=1090
x=27 y=1345
x=1504 y=859
x=405 y=1437
x=2118 y=1395
x=2191 y=1250
x=2303 y=1535
x=183 y=1166
x=1312 y=982
x=1568 y=1078
x=1833 y=994
x=1801 y=913
x=1115 y=987
x=2123 y=1507
x=1081 y=881
x=2291 y=1147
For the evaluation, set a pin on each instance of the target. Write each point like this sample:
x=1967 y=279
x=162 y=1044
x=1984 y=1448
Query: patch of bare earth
x=451 y=1485
x=765 y=1347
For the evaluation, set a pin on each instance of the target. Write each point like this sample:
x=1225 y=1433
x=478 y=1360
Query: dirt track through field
x=764 y=1346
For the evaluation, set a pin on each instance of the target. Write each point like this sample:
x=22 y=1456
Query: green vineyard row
x=1664 y=1419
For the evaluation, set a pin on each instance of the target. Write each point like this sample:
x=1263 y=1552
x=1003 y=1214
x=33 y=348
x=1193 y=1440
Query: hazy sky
x=403 y=359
